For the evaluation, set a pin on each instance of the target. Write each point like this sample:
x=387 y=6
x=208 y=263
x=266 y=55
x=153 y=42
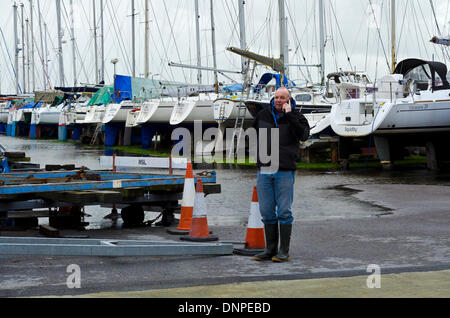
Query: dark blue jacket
x=293 y=128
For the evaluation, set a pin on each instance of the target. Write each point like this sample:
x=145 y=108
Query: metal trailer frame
x=25 y=191
x=107 y=247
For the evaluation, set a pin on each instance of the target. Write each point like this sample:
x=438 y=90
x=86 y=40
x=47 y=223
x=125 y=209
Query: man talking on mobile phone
x=276 y=188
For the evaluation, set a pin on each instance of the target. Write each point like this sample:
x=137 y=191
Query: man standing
x=276 y=188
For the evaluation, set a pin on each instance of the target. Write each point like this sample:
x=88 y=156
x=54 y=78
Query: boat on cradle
x=119 y=112
x=16 y=114
x=161 y=111
x=315 y=103
x=4 y=111
x=229 y=105
x=155 y=111
x=139 y=116
x=94 y=115
x=75 y=111
x=190 y=109
x=46 y=114
x=415 y=99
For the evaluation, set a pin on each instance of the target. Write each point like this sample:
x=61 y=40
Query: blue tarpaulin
x=233 y=88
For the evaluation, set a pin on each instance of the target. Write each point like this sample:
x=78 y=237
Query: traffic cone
x=199 y=227
x=187 y=204
x=254 y=240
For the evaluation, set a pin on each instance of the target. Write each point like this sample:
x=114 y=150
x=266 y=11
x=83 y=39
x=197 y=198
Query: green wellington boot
x=271 y=232
x=285 y=240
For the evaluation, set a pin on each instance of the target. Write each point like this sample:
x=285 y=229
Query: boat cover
x=266 y=78
x=405 y=66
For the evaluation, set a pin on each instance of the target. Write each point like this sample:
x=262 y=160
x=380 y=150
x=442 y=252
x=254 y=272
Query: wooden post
x=170 y=166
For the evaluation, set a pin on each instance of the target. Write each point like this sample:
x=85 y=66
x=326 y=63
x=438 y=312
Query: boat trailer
x=34 y=193
x=64 y=194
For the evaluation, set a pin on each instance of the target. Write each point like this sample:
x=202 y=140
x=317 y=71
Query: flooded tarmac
x=319 y=195
x=344 y=221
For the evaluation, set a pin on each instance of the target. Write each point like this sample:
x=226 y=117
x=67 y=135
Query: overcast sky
x=357 y=37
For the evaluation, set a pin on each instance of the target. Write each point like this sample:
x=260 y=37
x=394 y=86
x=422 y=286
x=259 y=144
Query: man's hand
x=287 y=107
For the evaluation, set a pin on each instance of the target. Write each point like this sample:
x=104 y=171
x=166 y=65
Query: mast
x=133 y=38
x=322 y=43
x=243 y=37
x=16 y=49
x=284 y=45
x=95 y=43
x=23 y=50
x=147 y=40
x=102 y=47
x=27 y=28
x=75 y=80
x=42 y=46
x=60 y=50
x=393 y=36
x=46 y=52
x=197 y=32
x=32 y=46
x=213 y=35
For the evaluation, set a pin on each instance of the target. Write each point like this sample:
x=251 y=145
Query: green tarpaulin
x=102 y=97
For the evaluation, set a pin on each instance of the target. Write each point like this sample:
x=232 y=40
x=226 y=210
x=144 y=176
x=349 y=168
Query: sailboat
x=314 y=102
x=410 y=106
x=405 y=102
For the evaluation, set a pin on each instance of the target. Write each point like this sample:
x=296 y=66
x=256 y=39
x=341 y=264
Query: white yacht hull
x=428 y=112
x=227 y=110
x=94 y=115
x=146 y=112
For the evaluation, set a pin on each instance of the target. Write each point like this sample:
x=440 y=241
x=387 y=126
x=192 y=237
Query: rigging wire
x=173 y=35
x=10 y=60
x=340 y=34
x=119 y=36
x=166 y=57
x=379 y=35
x=299 y=47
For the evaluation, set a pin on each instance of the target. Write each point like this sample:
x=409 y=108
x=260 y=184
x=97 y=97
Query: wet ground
x=344 y=221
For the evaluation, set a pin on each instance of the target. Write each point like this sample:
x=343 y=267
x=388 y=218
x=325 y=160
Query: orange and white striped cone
x=254 y=240
x=187 y=204
x=199 y=227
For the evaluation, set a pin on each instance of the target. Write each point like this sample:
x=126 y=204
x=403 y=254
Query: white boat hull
x=163 y=112
x=46 y=116
x=226 y=110
x=429 y=112
x=146 y=112
x=94 y=115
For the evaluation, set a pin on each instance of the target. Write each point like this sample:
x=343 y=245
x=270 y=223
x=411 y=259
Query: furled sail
x=276 y=64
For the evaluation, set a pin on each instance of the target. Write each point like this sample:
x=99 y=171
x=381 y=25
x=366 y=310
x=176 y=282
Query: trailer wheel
x=132 y=215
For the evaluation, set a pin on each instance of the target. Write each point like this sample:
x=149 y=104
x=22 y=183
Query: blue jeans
x=276 y=195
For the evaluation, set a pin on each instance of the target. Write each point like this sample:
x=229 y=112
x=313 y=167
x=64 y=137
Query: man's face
x=281 y=98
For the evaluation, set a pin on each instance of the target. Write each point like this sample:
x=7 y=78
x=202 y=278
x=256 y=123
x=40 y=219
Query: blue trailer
x=70 y=191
